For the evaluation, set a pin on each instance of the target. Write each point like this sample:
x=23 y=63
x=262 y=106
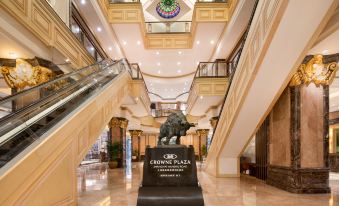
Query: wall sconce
x=315 y=71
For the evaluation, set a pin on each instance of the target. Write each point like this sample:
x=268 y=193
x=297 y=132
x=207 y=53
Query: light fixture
x=185 y=83
x=159 y=71
x=157 y=53
x=12 y=55
x=137 y=99
x=151 y=84
x=124 y=42
x=179 y=52
x=198 y=42
x=139 y=64
x=67 y=60
x=99 y=29
x=201 y=97
x=178 y=63
x=212 y=42
x=138 y=42
x=110 y=48
x=325 y=52
x=83 y=2
x=91 y=48
x=197 y=63
x=158 y=63
x=179 y=71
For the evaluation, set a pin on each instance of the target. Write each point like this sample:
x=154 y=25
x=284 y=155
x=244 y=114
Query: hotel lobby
x=169 y=102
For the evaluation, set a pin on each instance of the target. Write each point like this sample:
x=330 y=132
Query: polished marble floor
x=100 y=186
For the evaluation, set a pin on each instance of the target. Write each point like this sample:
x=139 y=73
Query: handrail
x=235 y=57
x=162 y=98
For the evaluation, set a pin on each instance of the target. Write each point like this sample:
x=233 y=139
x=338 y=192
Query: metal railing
x=136 y=72
x=212 y=1
x=159 y=27
x=212 y=69
x=164 y=109
x=123 y=1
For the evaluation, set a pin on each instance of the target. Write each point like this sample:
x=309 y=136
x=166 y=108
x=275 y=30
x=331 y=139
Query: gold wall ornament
x=315 y=71
x=202 y=132
x=25 y=75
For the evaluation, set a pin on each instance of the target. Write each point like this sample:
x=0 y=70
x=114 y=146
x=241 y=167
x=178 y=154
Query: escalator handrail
x=24 y=92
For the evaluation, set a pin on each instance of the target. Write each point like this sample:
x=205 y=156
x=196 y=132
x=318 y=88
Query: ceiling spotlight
x=151 y=84
x=99 y=29
x=12 y=55
x=138 y=42
x=67 y=60
x=325 y=52
x=110 y=48
x=179 y=71
x=159 y=71
x=198 y=42
x=179 y=52
x=197 y=63
x=139 y=64
x=212 y=42
x=91 y=48
x=124 y=42
x=178 y=63
x=157 y=53
x=83 y=2
x=158 y=63
x=201 y=97
x=185 y=83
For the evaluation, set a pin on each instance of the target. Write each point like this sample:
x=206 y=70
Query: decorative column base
x=302 y=181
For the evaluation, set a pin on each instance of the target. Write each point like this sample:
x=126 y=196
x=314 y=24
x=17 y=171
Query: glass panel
x=169 y=27
x=28 y=118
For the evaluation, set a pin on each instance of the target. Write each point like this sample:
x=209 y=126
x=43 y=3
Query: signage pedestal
x=170 y=177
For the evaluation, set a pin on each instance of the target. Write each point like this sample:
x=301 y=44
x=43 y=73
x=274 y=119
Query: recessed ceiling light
x=92 y=48
x=138 y=42
x=178 y=63
x=212 y=42
x=157 y=53
x=179 y=71
x=67 y=60
x=110 y=48
x=159 y=71
x=197 y=63
x=201 y=97
x=151 y=84
x=179 y=52
x=83 y=2
x=185 y=83
x=99 y=29
x=124 y=42
x=158 y=63
x=139 y=64
x=12 y=54
x=325 y=52
x=198 y=42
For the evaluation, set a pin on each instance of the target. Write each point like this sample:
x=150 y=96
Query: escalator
x=33 y=112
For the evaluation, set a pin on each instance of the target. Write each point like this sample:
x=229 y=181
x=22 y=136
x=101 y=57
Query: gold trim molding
x=118 y=122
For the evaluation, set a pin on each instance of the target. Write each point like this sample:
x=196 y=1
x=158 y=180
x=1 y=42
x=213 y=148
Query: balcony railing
x=135 y=72
x=123 y=1
x=168 y=27
x=165 y=109
x=212 y=69
x=212 y=1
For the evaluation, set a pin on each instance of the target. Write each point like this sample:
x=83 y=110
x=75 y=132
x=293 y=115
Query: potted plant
x=135 y=155
x=113 y=150
x=203 y=151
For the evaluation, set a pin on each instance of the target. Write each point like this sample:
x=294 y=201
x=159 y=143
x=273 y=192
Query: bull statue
x=175 y=125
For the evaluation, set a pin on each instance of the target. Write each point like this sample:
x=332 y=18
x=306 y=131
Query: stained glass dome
x=168 y=8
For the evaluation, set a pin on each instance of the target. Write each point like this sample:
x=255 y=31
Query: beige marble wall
x=311 y=126
x=279 y=138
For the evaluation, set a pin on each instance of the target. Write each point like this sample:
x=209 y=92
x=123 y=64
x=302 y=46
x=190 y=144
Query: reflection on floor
x=100 y=186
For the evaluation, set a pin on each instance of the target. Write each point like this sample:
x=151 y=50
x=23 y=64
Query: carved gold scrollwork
x=315 y=71
x=136 y=133
x=118 y=122
x=24 y=74
x=202 y=132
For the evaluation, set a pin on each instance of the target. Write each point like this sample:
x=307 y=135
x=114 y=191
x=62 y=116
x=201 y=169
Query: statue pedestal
x=170 y=177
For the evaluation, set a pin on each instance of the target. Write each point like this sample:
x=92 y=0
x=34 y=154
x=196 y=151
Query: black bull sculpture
x=175 y=125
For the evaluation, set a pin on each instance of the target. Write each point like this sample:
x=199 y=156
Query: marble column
x=298 y=140
x=202 y=135
x=117 y=130
x=135 y=135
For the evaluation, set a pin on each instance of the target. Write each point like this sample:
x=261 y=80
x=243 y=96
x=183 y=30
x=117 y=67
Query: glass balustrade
x=212 y=69
x=169 y=27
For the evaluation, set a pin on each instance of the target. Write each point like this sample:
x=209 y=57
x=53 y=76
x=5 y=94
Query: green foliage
x=203 y=150
x=113 y=150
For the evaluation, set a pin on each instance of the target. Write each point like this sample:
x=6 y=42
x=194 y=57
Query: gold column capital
x=135 y=133
x=202 y=132
x=118 y=122
x=314 y=71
